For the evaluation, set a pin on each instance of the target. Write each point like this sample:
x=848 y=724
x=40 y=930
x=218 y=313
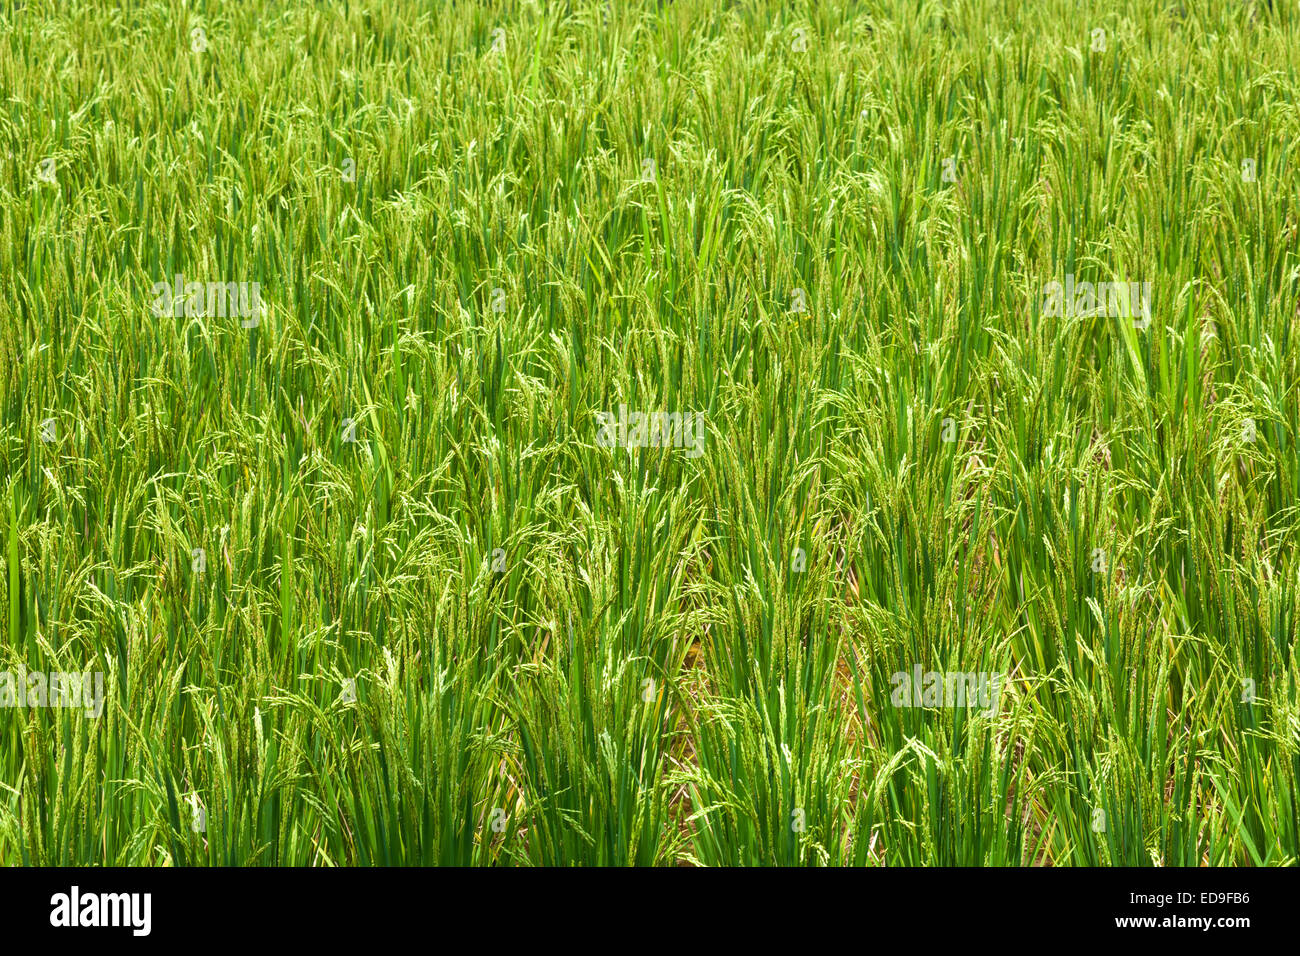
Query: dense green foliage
x=435 y=620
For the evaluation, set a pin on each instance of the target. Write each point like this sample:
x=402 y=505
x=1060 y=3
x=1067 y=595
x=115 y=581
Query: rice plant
x=692 y=433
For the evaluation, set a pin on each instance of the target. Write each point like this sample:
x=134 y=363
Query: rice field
x=690 y=433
